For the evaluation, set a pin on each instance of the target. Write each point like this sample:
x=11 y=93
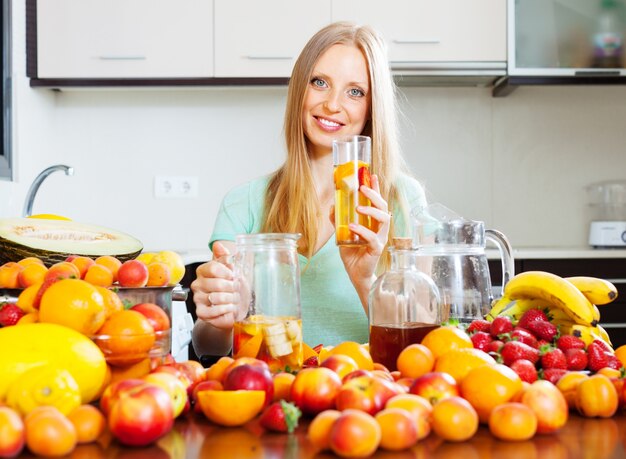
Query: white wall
x=519 y=163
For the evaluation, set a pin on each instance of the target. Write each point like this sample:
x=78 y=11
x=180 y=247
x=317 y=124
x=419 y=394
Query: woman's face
x=337 y=99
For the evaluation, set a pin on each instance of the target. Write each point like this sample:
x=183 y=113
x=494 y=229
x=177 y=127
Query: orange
x=73 y=303
x=282 y=385
x=99 y=275
x=513 y=421
x=112 y=301
x=318 y=432
x=231 y=407
x=488 y=386
x=125 y=338
x=444 y=339
x=454 y=419
x=355 y=350
x=415 y=360
x=458 y=362
x=89 y=423
x=110 y=262
x=216 y=371
x=49 y=433
x=397 y=428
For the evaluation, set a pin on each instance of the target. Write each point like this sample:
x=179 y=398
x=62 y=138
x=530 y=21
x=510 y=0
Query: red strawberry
x=531 y=316
x=281 y=416
x=525 y=369
x=604 y=345
x=576 y=359
x=364 y=176
x=613 y=362
x=525 y=337
x=479 y=325
x=481 y=340
x=495 y=346
x=566 y=342
x=312 y=361
x=500 y=326
x=552 y=374
x=515 y=350
x=597 y=356
x=553 y=358
x=318 y=348
x=542 y=330
x=10 y=314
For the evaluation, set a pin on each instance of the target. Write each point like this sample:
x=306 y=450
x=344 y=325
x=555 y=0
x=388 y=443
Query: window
x=5 y=146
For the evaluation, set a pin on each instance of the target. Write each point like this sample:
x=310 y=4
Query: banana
x=585 y=332
x=597 y=291
x=516 y=308
x=604 y=335
x=555 y=290
x=498 y=306
x=276 y=340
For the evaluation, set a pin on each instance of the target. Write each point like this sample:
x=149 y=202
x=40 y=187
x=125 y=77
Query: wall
x=519 y=163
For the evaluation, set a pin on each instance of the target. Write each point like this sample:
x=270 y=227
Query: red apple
x=133 y=273
x=112 y=392
x=315 y=389
x=155 y=314
x=435 y=386
x=251 y=377
x=367 y=393
x=141 y=415
x=203 y=385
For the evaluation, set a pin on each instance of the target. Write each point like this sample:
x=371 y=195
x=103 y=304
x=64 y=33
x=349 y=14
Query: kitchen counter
x=539 y=253
x=194 y=437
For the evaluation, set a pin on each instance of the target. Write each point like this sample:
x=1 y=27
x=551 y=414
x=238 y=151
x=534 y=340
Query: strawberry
x=613 y=362
x=576 y=359
x=317 y=349
x=10 y=314
x=479 y=325
x=525 y=337
x=312 y=361
x=552 y=374
x=515 y=350
x=566 y=342
x=500 y=326
x=495 y=346
x=364 y=176
x=542 y=329
x=530 y=316
x=481 y=340
x=597 y=356
x=281 y=416
x=525 y=369
x=604 y=345
x=553 y=358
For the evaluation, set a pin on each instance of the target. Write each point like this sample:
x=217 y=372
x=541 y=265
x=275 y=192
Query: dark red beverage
x=388 y=340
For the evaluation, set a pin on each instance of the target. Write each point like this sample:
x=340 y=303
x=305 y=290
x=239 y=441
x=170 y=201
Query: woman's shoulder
x=251 y=190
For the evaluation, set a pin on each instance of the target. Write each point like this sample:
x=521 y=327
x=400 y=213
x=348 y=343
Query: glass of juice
x=351 y=159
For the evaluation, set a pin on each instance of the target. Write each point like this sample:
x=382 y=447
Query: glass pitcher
x=452 y=252
x=268 y=323
x=404 y=305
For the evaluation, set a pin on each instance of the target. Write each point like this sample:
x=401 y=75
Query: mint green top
x=331 y=309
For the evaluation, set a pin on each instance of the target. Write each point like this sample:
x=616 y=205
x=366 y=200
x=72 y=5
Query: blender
x=607 y=201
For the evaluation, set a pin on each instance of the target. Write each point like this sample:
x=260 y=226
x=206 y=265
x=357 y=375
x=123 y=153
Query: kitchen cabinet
x=122 y=39
x=447 y=33
x=266 y=40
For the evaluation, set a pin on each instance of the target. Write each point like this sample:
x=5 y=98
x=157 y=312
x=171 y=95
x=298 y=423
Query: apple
x=251 y=377
x=155 y=314
x=203 y=385
x=112 y=392
x=367 y=393
x=341 y=364
x=174 y=387
x=132 y=273
x=141 y=415
x=435 y=386
x=315 y=389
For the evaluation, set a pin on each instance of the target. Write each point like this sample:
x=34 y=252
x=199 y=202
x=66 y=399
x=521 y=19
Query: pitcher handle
x=506 y=254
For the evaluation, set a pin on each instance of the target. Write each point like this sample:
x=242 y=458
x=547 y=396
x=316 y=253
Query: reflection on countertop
x=527 y=253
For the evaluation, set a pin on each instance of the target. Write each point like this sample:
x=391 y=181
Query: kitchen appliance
x=607 y=201
x=451 y=250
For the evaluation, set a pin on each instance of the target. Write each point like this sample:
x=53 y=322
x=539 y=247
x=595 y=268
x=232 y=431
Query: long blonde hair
x=291 y=203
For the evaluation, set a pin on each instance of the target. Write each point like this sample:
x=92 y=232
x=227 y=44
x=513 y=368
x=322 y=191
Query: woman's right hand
x=214 y=289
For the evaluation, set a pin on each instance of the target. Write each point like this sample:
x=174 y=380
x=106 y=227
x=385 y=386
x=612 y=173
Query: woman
x=340 y=85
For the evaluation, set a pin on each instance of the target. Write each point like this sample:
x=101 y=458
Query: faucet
x=32 y=191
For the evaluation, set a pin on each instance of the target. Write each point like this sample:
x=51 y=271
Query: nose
x=333 y=101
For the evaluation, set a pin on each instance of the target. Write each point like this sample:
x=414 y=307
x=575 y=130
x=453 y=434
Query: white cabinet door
x=124 y=38
x=433 y=30
x=263 y=38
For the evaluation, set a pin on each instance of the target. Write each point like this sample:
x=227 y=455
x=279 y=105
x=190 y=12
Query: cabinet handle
x=269 y=58
x=122 y=58
x=425 y=41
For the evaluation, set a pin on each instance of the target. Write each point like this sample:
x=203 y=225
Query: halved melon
x=53 y=240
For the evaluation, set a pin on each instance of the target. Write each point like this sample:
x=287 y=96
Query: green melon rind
x=24 y=237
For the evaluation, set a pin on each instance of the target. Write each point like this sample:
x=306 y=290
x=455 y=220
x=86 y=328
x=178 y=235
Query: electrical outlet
x=169 y=186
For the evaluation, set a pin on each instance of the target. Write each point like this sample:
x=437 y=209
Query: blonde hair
x=291 y=203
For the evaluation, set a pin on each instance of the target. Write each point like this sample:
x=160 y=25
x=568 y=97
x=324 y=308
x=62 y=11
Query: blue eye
x=355 y=92
x=318 y=82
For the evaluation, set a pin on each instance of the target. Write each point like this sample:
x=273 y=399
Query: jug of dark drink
x=404 y=305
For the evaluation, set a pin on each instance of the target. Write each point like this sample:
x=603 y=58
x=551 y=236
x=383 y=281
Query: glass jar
x=404 y=305
x=268 y=324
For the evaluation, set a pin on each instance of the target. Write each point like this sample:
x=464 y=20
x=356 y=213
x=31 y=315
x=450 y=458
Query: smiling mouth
x=328 y=123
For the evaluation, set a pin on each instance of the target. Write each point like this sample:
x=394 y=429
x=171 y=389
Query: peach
x=62 y=270
x=216 y=371
x=341 y=364
x=159 y=274
x=513 y=422
x=549 y=406
x=12 y=434
x=318 y=432
x=175 y=263
x=454 y=419
x=133 y=273
x=33 y=273
x=157 y=317
x=176 y=389
x=9 y=275
x=110 y=262
x=28 y=260
x=418 y=407
x=282 y=385
x=315 y=389
x=82 y=263
x=355 y=434
x=398 y=430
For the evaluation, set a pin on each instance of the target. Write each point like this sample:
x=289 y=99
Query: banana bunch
x=570 y=303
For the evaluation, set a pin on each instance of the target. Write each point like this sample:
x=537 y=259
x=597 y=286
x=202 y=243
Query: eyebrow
x=315 y=74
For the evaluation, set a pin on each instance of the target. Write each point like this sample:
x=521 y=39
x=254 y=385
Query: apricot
x=99 y=275
x=110 y=262
x=418 y=407
x=174 y=261
x=318 y=432
x=415 y=360
x=159 y=274
x=596 y=396
x=354 y=434
x=512 y=421
x=26 y=299
x=398 y=430
x=216 y=371
x=12 y=433
x=28 y=260
x=62 y=270
x=33 y=273
x=89 y=423
x=549 y=405
x=82 y=263
x=454 y=419
x=9 y=273
x=341 y=364
x=282 y=385
x=133 y=273
x=568 y=383
x=50 y=433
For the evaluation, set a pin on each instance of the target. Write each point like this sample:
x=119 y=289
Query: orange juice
x=275 y=340
x=348 y=178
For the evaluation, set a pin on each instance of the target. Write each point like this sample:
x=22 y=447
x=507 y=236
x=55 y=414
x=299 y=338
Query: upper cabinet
x=263 y=39
x=124 y=38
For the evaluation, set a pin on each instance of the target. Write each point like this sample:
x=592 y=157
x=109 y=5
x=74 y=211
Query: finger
x=213 y=269
x=377 y=214
x=375 y=183
x=219 y=250
x=331 y=215
x=375 y=241
x=375 y=197
x=214 y=312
